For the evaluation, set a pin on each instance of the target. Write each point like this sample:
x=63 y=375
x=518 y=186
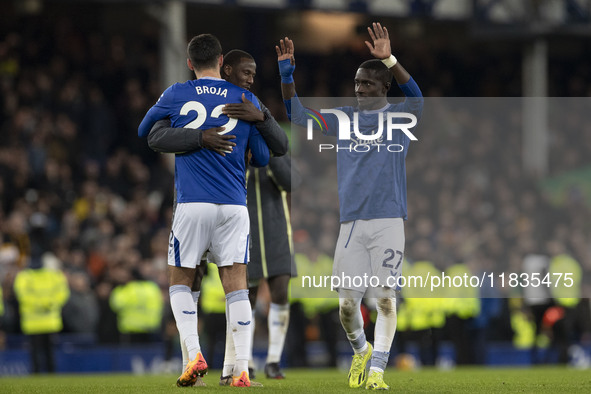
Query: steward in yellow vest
x=421 y=312
x=138 y=305
x=566 y=278
x=41 y=293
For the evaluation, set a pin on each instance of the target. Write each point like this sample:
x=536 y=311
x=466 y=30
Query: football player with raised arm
x=372 y=196
x=211 y=213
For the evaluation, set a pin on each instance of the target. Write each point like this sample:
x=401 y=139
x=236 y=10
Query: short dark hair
x=204 y=51
x=381 y=71
x=234 y=57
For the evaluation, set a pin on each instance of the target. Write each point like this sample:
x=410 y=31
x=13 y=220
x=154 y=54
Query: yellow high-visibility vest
x=464 y=300
x=41 y=294
x=424 y=309
x=402 y=317
x=565 y=277
x=138 y=305
x=213 y=298
x=524 y=330
x=316 y=299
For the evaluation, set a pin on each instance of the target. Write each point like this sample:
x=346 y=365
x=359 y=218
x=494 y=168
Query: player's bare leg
x=240 y=317
x=185 y=314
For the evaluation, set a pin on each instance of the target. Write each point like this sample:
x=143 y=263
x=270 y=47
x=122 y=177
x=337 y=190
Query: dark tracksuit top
x=270 y=229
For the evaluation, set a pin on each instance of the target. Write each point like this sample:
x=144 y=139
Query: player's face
x=243 y=73
x=370 y=90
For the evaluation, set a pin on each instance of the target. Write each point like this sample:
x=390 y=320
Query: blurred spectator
x=462 y=310
x=106 y=329
x=537 y=298
x=41 y=294
x=81 y=312
x=16 y=231
x=566 y=275
x=524 y=331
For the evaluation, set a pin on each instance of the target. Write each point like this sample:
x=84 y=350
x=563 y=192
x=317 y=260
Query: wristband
x=286 y=70
x=390 y=61
x=287 y=80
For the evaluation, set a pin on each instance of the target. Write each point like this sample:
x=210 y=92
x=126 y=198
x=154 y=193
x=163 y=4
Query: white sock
x=384 y=333
x=230 y=352
x=385 y=324
x=195 y=295
x=251 y=359
x=352 y=321
x=240 y=321
x=185 y=315
x=184 y=352
x=278 y=321
x=379 y=361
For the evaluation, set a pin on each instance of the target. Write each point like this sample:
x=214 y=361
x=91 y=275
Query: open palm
x=285 y=50
x=380 y=48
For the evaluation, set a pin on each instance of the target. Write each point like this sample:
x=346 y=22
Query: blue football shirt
x=204 y=175
x=371 y=178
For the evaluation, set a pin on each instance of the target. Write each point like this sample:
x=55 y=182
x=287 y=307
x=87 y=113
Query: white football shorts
x=221 y=229
x=369 y=253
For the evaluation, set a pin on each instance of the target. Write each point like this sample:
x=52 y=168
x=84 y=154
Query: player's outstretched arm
x=285 y=56
x=295 y=111
x=166 y=139
x=286 y=60
x=265 y=123
x=380 y=49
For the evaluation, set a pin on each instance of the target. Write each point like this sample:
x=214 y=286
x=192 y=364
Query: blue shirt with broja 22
x=204 y=175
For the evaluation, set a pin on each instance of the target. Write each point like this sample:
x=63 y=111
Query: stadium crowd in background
x=70 y=103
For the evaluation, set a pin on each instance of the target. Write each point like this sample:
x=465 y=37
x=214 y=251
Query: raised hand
x=381 y=41
x=220 y=143
x=244 y=111
x=285 y=50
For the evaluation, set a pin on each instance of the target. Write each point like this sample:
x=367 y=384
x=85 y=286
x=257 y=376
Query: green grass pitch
x=460 y=380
